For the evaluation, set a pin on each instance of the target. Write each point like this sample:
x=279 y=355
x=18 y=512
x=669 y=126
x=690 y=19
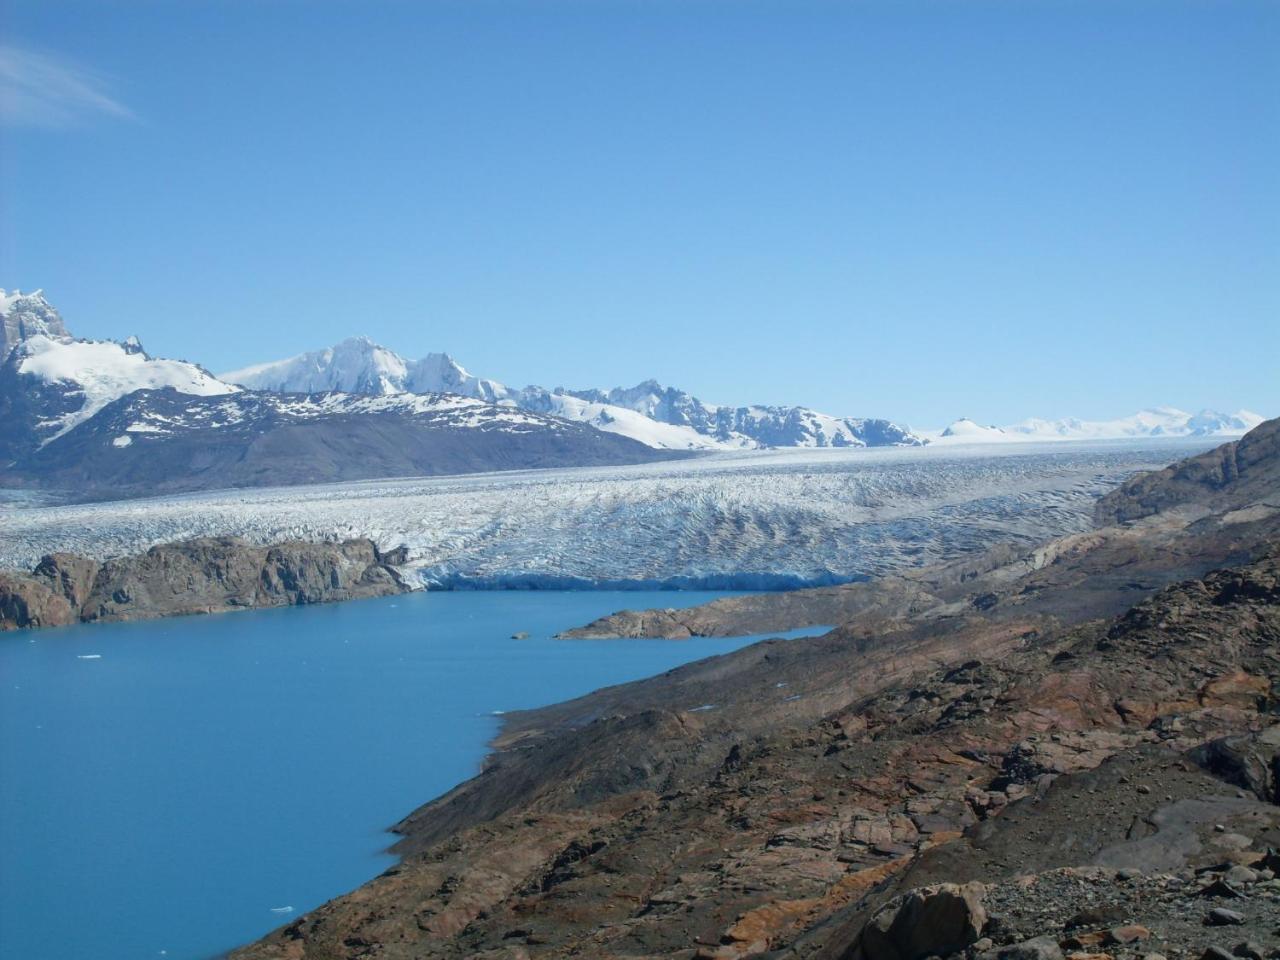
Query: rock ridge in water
x=206 y=575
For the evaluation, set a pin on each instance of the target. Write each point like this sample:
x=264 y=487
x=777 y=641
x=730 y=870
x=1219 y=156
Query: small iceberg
x=88 y=656
x=282 y=909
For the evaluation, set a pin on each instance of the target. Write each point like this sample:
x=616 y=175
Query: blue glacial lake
x=172 y=788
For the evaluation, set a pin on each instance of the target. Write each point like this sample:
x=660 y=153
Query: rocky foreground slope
x=1010 y=775
x=207 y=575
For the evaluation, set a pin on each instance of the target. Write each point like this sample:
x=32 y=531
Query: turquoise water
x=175 y=795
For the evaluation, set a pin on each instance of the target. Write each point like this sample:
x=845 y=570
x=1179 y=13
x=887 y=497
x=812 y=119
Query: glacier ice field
x=748 y=520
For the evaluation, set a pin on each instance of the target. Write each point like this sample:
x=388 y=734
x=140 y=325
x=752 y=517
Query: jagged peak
x=8 y=298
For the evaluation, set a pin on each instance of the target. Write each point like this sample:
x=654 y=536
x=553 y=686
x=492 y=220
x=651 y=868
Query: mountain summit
x=668 y=418
x=25 y=315
x=358 y=365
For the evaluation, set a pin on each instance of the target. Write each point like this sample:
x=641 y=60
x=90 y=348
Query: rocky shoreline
x=206 y=575
x=1070 y=751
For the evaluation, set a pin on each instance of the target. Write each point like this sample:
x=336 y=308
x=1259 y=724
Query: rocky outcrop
x=24 y=315
x=819 y=780
x=208 y=575
x=27 y=601
x=1101 y=771
x=1243 y=471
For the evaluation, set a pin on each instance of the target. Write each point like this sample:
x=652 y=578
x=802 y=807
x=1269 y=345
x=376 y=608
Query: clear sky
x=913 y=210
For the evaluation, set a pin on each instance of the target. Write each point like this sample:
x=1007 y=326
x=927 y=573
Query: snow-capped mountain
x=99 y=417
x=50 y=381
x=751 y=426
x=659 y=416
x=1154 y=422
x=24 y=315
x=96 y=372
x=358 y=365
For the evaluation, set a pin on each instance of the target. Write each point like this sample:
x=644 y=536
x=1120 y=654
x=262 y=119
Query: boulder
x=1037 y=948
x=937 y=920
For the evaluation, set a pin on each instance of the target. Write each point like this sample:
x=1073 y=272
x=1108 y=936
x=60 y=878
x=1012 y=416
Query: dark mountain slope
x=161 y=441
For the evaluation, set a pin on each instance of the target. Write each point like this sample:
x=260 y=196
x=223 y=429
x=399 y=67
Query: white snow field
x=750 y=519
x=102 y=370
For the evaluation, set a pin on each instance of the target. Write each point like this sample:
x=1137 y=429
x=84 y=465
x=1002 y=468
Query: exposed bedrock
x=1065 y=752
x=777 y=801
x=207 y=575
x=1245 y=470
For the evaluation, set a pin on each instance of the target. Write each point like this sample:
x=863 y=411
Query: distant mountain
x=668 y=418
x=358 y=365
x=104 y=418
x=163 y=441
x=1155 y=422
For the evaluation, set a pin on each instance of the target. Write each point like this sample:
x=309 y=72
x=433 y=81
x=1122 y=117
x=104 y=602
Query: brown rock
x=26 y=601
x=1127 y=934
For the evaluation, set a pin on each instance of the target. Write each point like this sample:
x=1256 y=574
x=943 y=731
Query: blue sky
x=913 y=210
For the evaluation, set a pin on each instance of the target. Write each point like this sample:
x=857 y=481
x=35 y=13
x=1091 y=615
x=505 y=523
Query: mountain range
x=1153 y=422
x=663 y=417
x=100 y=418
x=105 y=418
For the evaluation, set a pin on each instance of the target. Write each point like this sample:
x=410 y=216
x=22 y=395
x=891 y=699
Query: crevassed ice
x=749 y=519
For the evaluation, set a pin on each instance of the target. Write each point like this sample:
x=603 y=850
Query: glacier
x=749 y=519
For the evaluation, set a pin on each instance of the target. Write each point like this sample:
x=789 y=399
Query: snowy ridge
x=358 y=365
x=1154 y=422
x=620 y=420
x=100 y=371
x=661 y=417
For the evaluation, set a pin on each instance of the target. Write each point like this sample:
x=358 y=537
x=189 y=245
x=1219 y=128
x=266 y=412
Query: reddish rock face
x=197 y=576
x=27 y=601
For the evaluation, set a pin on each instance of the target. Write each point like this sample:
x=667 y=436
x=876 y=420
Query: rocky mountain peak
x=25 y=315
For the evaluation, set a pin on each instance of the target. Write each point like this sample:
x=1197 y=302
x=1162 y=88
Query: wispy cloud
x=39 y=89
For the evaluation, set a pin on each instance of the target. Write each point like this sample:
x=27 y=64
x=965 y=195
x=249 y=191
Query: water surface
x=165 y=786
